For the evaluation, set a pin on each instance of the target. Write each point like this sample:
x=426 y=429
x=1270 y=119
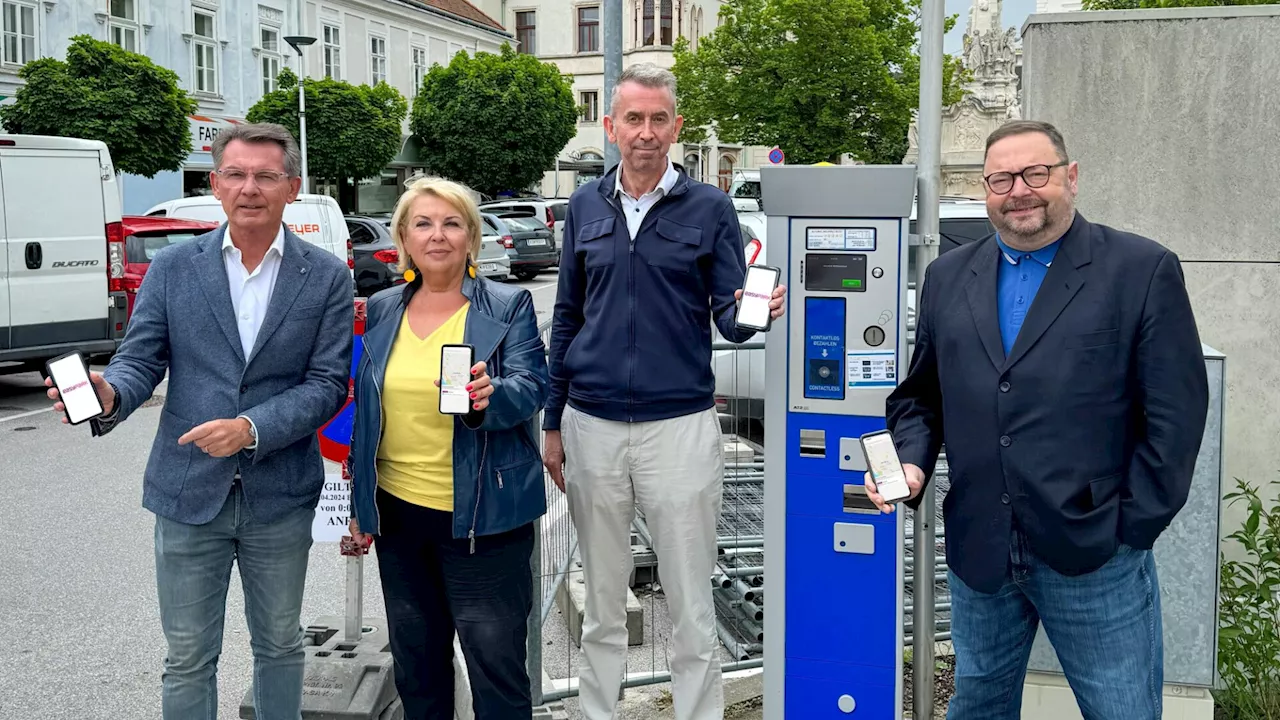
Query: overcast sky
x=1015 y=13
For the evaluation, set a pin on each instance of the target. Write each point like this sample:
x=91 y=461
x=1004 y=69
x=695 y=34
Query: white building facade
x=570 y=33
x=226 y=54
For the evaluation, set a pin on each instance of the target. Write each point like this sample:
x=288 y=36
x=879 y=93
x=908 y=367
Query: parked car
x=62 y=242
x=531 y=246
x=144 y=237
x=376 y=256
x=550 y=211
x=316 y=219
x=740 y=374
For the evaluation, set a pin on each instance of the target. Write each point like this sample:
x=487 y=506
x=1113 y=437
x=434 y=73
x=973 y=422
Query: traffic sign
x=776 y=156
x=335 y=435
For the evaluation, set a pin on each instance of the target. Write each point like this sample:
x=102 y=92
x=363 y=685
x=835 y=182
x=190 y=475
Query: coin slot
x=813 y=443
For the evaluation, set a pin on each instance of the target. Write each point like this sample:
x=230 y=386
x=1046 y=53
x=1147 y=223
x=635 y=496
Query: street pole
x=612 y=69
x=929 y=179
x=302 y=117
x=298 y=43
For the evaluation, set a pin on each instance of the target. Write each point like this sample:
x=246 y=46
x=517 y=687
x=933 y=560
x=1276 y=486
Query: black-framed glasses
x=1035 y=176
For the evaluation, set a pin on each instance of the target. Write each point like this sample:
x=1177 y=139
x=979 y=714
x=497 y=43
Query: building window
x=526 y=26
x=419 y=69
x=377 y=59
x=589 y=29
x=656 y=16
x=269 y=37
x=332 y=52
x=124 y=24
x=204 y=45
x=590 y=102
x=19 y=32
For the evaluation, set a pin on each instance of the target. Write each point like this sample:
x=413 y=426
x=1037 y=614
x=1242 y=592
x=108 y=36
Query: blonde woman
x=451 y=499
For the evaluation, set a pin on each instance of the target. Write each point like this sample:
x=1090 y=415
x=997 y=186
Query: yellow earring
x=471 y=270
x=409 y=275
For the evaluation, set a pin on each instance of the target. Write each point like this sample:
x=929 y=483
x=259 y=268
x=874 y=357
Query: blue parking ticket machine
x=834 y=631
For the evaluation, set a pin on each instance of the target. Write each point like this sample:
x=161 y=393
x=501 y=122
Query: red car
x=144 y=236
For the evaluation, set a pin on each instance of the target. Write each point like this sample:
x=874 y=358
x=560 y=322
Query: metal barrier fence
x=739 y=585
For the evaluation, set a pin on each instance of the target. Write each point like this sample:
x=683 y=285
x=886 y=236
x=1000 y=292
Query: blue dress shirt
x=1018 y=281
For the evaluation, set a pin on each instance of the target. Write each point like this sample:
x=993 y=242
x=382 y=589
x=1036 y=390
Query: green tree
x=818 y=78
x=103 y=92
x=353 y=131
x=1141 y=4
x=494 y=122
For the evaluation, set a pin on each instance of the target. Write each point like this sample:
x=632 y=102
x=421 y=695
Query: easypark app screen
x=77 y=392
x=755 y=297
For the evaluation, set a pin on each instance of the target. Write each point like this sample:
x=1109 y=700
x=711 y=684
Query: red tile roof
x=462 y=9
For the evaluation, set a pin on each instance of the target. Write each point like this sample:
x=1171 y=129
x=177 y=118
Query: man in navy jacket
x=1060 y=362
x=650 y=259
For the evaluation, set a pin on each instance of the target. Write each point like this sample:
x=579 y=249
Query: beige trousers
x=674 y=470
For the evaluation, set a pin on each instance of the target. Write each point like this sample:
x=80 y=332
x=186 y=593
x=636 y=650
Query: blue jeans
x=1104 y=625
x=193 y=569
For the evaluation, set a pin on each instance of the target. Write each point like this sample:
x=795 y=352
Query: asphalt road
x=77 y=594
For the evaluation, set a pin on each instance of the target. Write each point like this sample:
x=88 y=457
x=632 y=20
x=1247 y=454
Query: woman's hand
x=360 y=538
x=480 y=387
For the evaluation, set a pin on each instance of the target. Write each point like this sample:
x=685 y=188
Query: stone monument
x=992 y=54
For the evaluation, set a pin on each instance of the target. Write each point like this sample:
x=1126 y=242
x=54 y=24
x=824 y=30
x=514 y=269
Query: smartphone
x=884 y=465
x=455 y=373
x=71 y=376
x=757 y=291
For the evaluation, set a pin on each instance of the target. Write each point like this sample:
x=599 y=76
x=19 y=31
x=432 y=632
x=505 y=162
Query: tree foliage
x=103 y=92
x=494 y=122
x=1142 y=4
x=353 y=131
x=818 y=78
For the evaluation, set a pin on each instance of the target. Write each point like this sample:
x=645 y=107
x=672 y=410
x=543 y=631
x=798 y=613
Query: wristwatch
x=253 y=435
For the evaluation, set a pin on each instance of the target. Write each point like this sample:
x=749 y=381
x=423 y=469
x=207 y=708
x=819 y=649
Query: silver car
x=493 y=261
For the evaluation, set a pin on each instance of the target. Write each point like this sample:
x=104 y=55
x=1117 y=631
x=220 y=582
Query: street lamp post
x=298 y=42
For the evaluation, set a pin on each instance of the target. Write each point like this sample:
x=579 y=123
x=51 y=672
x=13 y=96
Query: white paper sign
x=334 y=509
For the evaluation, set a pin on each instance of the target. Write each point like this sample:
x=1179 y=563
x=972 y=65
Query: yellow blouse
x=415 y=457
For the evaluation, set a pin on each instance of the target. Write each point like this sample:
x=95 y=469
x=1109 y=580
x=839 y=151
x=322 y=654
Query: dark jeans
x=1104 y=625
x=433 y=586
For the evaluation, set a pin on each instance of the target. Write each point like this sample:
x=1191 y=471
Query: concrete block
x=345 y=681
x=571 y=600
x=1047 y=696
x=738 y=452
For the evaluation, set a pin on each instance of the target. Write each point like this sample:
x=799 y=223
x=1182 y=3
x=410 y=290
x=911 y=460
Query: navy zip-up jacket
x=631 y=332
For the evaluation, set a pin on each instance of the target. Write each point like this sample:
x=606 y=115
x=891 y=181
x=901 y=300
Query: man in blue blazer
x=254 y=327
x=1060 y=363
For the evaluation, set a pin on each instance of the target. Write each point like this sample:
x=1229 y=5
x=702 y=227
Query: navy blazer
x=293 y=382
x=497 y=461
x=1087 y=434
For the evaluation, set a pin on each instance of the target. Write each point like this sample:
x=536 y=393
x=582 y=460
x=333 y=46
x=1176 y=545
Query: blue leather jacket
x=497 y=465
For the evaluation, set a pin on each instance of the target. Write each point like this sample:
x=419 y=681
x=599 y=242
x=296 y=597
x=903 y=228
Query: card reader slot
x=813 y=443
x=856 y=500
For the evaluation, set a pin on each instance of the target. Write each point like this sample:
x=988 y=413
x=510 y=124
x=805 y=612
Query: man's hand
x=915 y=481
x=220 y=438
x=553 y=457
x=106 y=395
x=777 y=303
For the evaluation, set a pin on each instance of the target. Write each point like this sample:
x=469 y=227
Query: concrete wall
x=1174 y=117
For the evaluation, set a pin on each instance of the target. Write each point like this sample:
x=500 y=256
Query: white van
x=317 y=219
x=61 y=250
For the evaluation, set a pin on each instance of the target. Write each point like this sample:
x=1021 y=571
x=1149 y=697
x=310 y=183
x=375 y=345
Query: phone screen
x=455 y=373
x=756 y=293
x=78 y=395
x=886 y=469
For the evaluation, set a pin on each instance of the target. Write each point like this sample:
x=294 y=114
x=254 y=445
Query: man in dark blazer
x=254 y=328
x=1060 y=363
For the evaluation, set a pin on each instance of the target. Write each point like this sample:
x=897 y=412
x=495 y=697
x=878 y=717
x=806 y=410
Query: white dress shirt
x=637 y=208
x=251 y=294
x=251 y=291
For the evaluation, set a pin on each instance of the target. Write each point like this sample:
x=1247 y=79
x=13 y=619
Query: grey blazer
x=293 y=382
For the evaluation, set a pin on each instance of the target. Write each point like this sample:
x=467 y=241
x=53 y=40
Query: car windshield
x=525 y=224
x=142 y=248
